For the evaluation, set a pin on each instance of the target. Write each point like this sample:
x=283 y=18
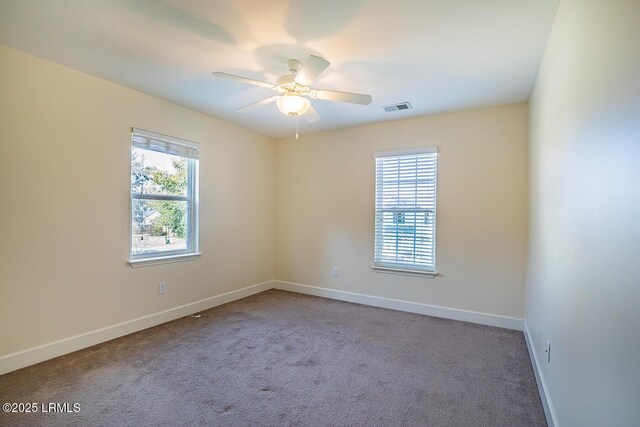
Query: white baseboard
x=549 y=412
x=411 y=307
x=31 y=356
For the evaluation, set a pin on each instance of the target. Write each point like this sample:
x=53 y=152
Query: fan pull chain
x=296 y=127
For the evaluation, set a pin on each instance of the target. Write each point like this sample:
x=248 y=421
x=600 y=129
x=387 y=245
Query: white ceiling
x=439 y=55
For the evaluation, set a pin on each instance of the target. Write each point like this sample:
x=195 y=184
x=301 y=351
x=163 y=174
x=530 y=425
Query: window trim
x=191 y=252
x=144 y=262
x=399 y=268
x=404 y=272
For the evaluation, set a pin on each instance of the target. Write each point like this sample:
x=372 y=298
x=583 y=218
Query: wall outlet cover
x=547 y=349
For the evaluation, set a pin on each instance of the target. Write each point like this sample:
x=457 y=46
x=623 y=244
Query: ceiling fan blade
x=256 y=104
x=244 y=80
x=311 y=69
x=332 y=95
x=311 y=115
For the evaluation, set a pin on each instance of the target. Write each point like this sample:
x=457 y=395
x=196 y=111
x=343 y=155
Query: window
x=406 y=210
x=164 y=182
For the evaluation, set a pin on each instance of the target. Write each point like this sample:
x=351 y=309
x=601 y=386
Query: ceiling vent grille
x=397 y=107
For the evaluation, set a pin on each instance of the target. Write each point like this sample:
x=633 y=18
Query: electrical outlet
x=547 y=350
x=335 y=272
x=162 y=288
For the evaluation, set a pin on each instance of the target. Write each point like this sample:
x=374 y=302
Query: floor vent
x=396 y=107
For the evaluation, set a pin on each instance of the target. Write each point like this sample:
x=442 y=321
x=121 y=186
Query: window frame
x=396 y=267
x=191 y=199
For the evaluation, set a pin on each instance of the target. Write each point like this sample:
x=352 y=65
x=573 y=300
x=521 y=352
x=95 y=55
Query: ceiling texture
x=438 y=55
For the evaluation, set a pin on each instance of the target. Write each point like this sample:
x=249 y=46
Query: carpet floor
x=280 y=358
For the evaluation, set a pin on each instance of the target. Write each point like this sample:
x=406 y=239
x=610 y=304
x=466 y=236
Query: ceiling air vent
x=396 y=107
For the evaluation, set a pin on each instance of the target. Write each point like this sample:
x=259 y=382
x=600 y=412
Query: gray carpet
x=280 y=358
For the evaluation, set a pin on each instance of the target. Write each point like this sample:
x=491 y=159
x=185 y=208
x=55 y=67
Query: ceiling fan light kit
x=294 y=90
x=292 y=105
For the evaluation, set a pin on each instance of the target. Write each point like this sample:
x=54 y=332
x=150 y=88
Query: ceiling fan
x=294 y=89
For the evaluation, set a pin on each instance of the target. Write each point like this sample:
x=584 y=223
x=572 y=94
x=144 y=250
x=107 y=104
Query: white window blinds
x=165 y=144
x=406 y=209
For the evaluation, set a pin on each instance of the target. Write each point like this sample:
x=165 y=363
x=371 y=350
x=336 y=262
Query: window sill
x=401 y=271
x=144 y=262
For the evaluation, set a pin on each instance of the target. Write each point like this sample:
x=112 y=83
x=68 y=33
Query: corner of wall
x=547 y=404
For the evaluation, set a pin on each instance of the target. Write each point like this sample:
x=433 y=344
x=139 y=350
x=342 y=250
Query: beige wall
x=583 y=280
x=64 y=207
x=325 y=209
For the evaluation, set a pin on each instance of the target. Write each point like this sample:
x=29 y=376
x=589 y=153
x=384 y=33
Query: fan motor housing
x=287 y=85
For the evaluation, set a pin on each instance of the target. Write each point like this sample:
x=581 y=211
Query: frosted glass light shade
x=292 y=105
